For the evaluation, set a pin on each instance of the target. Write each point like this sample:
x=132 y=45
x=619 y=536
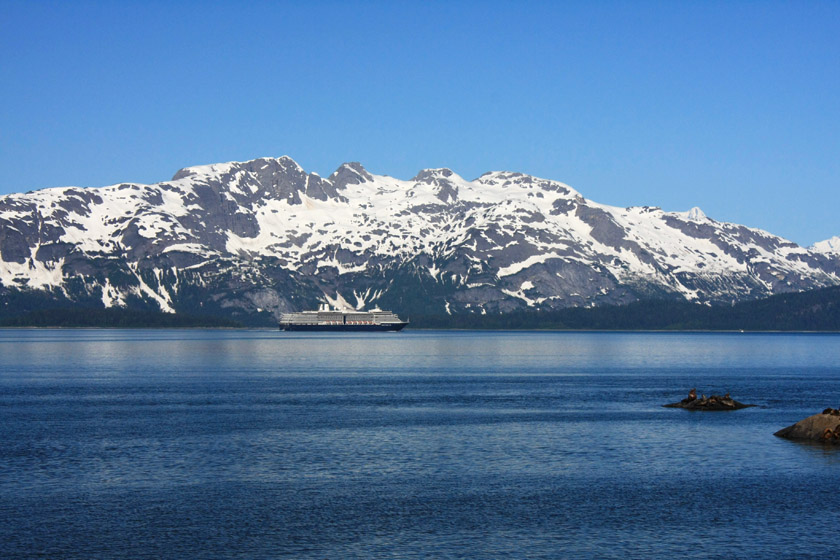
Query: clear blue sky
x=731 y=106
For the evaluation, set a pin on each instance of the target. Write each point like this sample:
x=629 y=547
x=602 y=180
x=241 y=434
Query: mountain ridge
x=264 y=236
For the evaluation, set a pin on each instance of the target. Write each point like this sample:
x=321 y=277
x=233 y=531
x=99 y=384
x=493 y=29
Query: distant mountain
x=250 y=240
x=829 y=246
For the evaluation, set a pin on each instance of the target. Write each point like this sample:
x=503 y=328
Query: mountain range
x=249 y=240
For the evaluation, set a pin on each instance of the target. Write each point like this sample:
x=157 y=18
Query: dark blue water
x=262 y=444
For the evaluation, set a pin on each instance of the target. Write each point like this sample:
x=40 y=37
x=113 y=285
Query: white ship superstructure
x=327 y=319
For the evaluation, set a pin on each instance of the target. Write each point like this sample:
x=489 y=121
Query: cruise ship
x=326 y=319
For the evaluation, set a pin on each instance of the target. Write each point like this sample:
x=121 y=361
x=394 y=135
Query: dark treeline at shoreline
x=114 y=317
x=817 y=310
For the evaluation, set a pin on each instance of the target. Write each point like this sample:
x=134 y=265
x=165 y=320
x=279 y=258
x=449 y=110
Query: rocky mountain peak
x=445 y=182
x=829 y=246
x=260 y=166
x=509 y=179
x=433 y=175
x=350 y=173
x=696 y=215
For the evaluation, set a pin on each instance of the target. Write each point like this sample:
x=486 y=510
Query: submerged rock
x=823 y=427
x=715 y=402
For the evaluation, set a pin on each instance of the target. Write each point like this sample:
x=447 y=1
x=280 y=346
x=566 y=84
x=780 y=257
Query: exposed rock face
x=823 y=427
x=264 y=236
x=713 y=403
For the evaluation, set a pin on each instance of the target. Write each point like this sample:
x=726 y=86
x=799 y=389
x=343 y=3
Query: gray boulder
x=823 y=427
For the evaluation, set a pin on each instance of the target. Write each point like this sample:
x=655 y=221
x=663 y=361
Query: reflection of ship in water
x=326 y=319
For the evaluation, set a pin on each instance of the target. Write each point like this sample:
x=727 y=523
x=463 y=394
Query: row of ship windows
x=347 y=323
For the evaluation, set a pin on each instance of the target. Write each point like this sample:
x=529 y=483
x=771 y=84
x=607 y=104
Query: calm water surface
x=262 y=444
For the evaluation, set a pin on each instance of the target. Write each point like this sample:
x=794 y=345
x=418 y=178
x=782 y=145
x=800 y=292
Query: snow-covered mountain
x=828 y=246
x=263 y=236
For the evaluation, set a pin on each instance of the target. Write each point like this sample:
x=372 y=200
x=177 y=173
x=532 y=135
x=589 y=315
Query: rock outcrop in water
x=715 y=402
x=823 y=427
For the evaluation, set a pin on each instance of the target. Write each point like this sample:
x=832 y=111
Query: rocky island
x=823 y=427
x=714 y=402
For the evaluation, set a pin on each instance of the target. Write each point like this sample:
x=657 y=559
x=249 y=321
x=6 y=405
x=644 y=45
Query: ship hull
x=386 y=327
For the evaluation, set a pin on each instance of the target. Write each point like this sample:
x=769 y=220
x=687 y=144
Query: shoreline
x=423 y=329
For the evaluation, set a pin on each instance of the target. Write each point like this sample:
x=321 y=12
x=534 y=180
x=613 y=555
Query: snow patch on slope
x=32 y=273
x=527 y=263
